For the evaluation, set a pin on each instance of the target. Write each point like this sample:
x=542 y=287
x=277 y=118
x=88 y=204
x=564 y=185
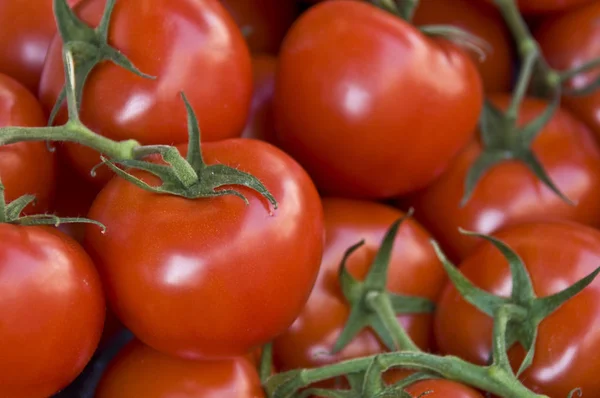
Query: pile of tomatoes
x=322 y=123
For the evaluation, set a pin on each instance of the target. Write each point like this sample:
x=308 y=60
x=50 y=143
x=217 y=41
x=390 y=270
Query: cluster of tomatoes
x=322 y=123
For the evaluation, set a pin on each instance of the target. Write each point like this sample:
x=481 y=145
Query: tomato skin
x=549 y=6
x=440 y=388
x=556 y=36
x=509 y=193
x=173 y=40
x=356 y=130
x=483 y=21
x=25 y=167
x=166 y=284
x=267 y=21
x=25 y=35
x=52 y=310
x=140 y=371
x=556 y=254
x=260 y=124
x=414 y=270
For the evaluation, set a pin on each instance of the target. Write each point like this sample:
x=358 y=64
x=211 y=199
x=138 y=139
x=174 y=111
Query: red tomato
x=361 y=97
x=260 y=124
x=190 y=45
x=74 y=197
x=483 y=21
x=556 y=255
x=414 y=270
x=556 y=37
x=441 y=388
x=265 y=22
x=187 y=276
x=139 y=371
x=509 y=193
x=52 y=311
x=26 y=30
x=25 y=167
x=546 y=6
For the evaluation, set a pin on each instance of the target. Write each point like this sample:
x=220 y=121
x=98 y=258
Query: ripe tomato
x=25 y=167
x=260 y=124
x=186 y=276
x=414 y=270
x=362 y=97
x=547 y=6
x=139 y=371
x=556 y=255
x=265 y=22
x=483 y=21
x=52 y=311
x=170 y=39
x=26 y=30
x=556 y=36
x=440 y=388
x=510 y=193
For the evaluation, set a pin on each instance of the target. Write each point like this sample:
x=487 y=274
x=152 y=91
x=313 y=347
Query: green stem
x=382 y=306
x=266 y=361
x=569 y=74
x=73 y=131
x=489 y=378
x=531 y=57
x=407 y=9
x=526 y=43
x=3 y=215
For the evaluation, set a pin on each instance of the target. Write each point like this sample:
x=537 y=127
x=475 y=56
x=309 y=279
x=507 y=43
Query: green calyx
x=88 y=46
x=516 y=319
x=189 y=177
x=372 y=305
x=460 y=37
x=520 y=314
x=11 y=213
x=404 y=9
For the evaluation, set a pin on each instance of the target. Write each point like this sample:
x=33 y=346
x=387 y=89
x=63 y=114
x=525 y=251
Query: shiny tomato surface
x=187 y=276
x=367 y=104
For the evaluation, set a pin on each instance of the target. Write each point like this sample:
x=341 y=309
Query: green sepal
x=460 y=37
x=284 y=385
x=89 y=47
x=359 y=295
x=523 y=303
x=190 y=177
x=503 y=140
x=266 y=362
x=574 y=391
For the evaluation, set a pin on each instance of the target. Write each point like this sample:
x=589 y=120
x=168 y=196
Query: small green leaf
x=544 y=306
x=411 y=304
x=194 y=154
x=377 y=276
x=492 y=124
x=522 y=287
x=351 y=288
x=486 y=160
x=482 y=300
x=357 y=321
x=536 y=167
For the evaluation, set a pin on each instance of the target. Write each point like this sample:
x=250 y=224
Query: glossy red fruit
x=509 y=193
x=414 y=270
x=263 y=22
x=260 y=124
x=549 y=6
x=367 y=104
x=188 y=276
x=25 y=167
x=52 y=311
x=481 y=20
x=139 y=371
x=189 y=45
x=556 y=255
x=556 y=37
x=26 y=30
